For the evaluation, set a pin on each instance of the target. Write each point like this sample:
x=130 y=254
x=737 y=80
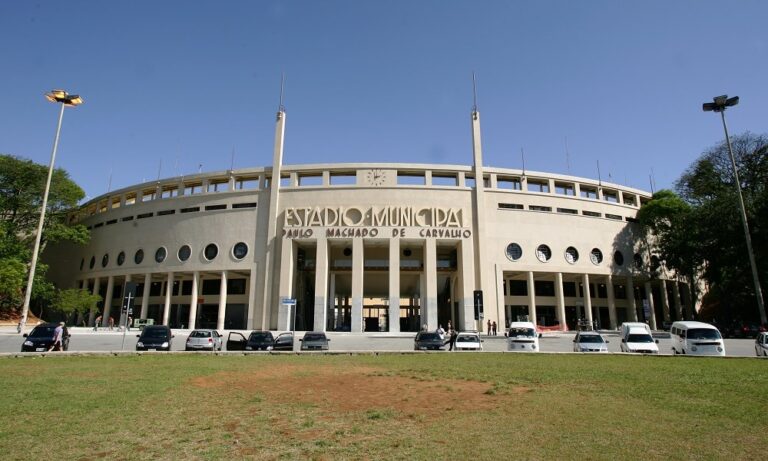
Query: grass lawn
x=412 y=406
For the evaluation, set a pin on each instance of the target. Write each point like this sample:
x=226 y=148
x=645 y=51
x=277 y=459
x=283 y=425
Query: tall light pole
x=65 y=99
x=719 y=105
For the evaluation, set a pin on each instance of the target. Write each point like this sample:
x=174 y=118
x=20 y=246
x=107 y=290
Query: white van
x=696 y=338
x=639 y=341
x=522 y=337
x=624 y=328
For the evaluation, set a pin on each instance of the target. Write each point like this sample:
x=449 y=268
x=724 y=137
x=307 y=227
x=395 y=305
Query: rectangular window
x=567 y=211
x=311 y=180
x=412 y=179
x=166 y=212
x=218 y=186
x=155 y=288
x=619 y=292
x=130 y=199
x=215 y=207
x=613 y=216
x=569 y=289
x=170 y=192
x=211 y=287
x=144 y=215
x=247 y=183
x=629 y=199
x=444 y=180
x=96 y=226
x=631 y=219
x=518 y=288
x=343 y=179
x=544 y=288
x=564 y=189
x=591 y=213
x=602 y=291
x=285 y=181
x=111 y=221
x=469 y=181
x=193 y=188
x=505 y=182
x=128 y=218
x=611 y=196
x=539 y=208
x=148 y=195
x=236 y=286
x=244 y=205
x=535 y=185
x=190 y=210
x=588 y=192
x=511 y=206
x=186 y=287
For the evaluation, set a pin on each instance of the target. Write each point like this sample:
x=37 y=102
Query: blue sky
x=183 y=83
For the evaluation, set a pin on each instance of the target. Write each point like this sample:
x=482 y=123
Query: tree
x=22 y=184
x=76 y=301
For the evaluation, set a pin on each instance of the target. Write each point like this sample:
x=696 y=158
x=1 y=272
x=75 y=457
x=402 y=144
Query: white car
x=589 y=341
x=761 y=344
x=468 y=341
x=522 y=337
x=638 y=341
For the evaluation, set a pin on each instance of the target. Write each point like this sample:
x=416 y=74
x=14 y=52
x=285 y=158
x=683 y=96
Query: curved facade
x=370 y=247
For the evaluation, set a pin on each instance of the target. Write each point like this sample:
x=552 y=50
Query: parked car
x=283 y=342
x=761 y=344
x=522 y=337
x=468 y=341
x=204 y=340
x=428 y=340
x=747 y=330
x=155 y=338
x=40 y=338
x=589 y=341
x=638 y=341
x=257 y=341
x=314 y=341
x=696 y=338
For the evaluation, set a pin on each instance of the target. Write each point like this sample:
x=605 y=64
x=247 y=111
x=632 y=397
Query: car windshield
x=590 y=339
x=516 y=332
x=260 y=337
x=640 y=339
x=314 y=337
x=154 y=333
x=703 y=333
x=42 y=332
x=200 y=334
x=428 y=337
x=468 y=339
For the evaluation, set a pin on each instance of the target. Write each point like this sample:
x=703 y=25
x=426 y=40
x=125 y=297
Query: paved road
x=84 y=339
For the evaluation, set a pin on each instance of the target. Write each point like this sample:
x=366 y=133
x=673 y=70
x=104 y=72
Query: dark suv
x=155 y=338
x=40 y=338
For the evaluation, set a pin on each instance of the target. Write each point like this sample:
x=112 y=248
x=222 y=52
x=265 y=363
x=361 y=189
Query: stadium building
x=371 y=247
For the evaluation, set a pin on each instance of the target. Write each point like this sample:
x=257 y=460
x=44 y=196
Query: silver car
x=589 y=341
x=203 y=340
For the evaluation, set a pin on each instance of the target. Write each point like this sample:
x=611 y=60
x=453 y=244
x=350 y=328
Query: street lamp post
x=65 y=99
x=719 y=104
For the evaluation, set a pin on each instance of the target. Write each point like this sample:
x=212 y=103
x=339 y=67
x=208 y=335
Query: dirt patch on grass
x=337 y=390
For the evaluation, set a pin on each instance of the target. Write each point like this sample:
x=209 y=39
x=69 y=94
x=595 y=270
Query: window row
x=571 y=255
x=211 y=251
x=548 y=209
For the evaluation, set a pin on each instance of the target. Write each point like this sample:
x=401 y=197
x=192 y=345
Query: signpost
x=129 y=296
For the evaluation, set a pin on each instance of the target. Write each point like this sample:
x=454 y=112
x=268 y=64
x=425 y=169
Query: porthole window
x=618 y=258
x=638 y=261
x=348 y=252
x=240 y=250
x=211 y=251
x=160 y=254
x=82 y=263
x=139 y=256
x=596 y=256
x=514 y=252
x=571 y=255
x=93 y=262
x=184 y=253
x=543 y=253
x=121 y=258
x=105 y=260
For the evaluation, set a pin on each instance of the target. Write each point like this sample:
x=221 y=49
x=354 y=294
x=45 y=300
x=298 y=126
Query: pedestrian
x=493 y=328
x=128 y=325
x=424 y=327
x=448 y=328
x=58 y=335
x=96 y=323
x=111 y=323
x=489 y=327
x=452 y=341
x=440 y=332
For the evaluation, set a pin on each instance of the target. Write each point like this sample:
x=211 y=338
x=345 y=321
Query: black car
x=283 y=342
x=155 y=338
x=40 y=338
x=257 y=341
x=314 y=341
x=425 y=341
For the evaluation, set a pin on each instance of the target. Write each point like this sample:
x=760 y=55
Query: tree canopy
x=22 y=183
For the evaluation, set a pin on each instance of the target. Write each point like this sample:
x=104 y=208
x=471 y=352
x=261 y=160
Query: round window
x=139 y=256
x=514 y=252
x=211 y=251
x=240 y=250
x=571 y=255
x=543 y=253
x=618 y=258
x=638 y=261
x=160 y=254
x=596 y=256
x=93 y=262
x=121 y=258
x=184 y=253
x=105 y=260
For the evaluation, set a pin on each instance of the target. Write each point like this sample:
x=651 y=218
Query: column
x=123 y=319
x=466 y=303
x=285 y=314
x=84 y=287
x=531 y=299
x=611 y=303
x=430 y=271
x=108 y=301
x=560 y=299
x=649 y=297
x=222 y=302
x=357 y=285
x=92 y=315
x=168 y=293
x=631 y=306
x=193 y=300
x=252 y=285
x=321 y=284
x=665 y=300
x=587 y=298
x=678 y=303
x=394 y=285
x=145 y=296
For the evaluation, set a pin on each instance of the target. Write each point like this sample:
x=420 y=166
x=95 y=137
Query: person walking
x=111 y=323
x=96 y=323
x=489 y=327
x=493 y=328
x=58 y=335
x=440 y=332
x=452 y=340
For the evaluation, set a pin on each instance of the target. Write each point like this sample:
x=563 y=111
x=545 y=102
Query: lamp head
x=720 y=103
x=64 y=98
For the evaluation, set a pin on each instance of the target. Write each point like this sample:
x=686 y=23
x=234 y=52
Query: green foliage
x=76 y=300
x=22 y=184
